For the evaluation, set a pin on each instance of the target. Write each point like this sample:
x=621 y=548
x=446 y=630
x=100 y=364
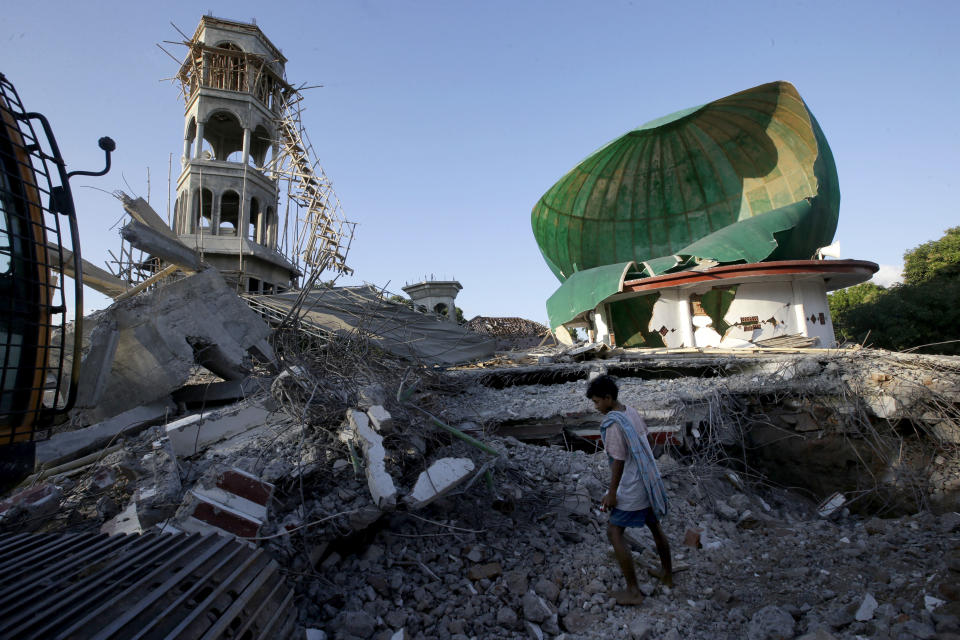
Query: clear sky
x=442 y=122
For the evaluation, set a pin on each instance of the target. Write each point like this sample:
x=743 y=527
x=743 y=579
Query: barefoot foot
x=659 y=574
x=627 y=598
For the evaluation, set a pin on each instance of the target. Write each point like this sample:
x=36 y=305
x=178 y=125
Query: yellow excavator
x=39 y=243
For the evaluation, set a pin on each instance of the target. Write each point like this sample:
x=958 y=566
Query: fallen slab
x=214 y=393
x=160 y=246
x=194 y=433
x=439 y=479
x=71 y=444
x=161 y=335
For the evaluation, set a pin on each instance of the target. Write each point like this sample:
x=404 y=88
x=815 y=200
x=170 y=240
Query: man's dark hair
x=601 y=387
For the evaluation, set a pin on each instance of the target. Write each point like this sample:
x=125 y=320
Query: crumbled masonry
x=387 y=526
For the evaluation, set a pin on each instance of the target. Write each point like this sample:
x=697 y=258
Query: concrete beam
x=380 y=483
x=160 y=246
x=195 y=433
x=155 y=329
x=72 y=444
x=93 y=276
x=140 y=210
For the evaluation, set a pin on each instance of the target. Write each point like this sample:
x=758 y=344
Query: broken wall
x=153 y=341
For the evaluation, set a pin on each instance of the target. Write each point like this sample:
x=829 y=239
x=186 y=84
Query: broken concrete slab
x=214 y=393
x=380 y=418
x=194 y=433
x=439 y=479
x=382 y=489
x=153 y=352
x=71 y=444
x=95 y=367
x=161 y=246
x=140 y=209
x=227 y=501
x=158 y=491
x=125 y=522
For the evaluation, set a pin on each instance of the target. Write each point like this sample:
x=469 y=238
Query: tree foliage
x=924 y=310
x=934 y=259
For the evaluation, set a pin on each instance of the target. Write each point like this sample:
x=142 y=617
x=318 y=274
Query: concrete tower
x=226 y=207
x=435 y=295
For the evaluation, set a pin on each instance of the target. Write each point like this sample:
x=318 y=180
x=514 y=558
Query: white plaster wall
x=765 y=300
x=813 y=293
x=668 y=312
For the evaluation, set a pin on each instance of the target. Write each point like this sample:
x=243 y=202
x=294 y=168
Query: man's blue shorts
x=639 y=518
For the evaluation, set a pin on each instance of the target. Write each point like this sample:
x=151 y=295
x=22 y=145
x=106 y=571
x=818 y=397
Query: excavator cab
x=38 y=232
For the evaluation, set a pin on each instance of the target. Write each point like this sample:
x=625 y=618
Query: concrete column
x=242 y=219
x=246 y=146
x=215 y=213
x=185 y=158
x=799 y=313
x=601 y=320
x=188 y=219
x=261 y=232
x=682 y=301
x=199 y=142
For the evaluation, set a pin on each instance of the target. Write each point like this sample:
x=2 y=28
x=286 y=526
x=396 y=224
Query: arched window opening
x=229 y=213
x=189 y=138
x=441 y=309
x=203 y=211
x=261 y=146
x=270 y=229
x=254 y=232
x=228 y=68
x=224 y=132
x=176 y=215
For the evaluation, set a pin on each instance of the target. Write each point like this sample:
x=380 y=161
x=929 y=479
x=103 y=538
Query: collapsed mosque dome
x=743 y=179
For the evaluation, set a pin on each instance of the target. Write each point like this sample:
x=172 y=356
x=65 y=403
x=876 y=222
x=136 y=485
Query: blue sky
x=441 y=123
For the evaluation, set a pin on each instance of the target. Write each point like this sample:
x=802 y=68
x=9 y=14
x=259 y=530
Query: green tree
x=921 y=311
x=937 y=258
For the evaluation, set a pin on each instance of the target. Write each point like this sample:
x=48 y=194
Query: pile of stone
x=511 y=333
x=750 y=564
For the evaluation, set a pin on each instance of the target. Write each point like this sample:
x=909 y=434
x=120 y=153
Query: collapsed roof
x=743 y=179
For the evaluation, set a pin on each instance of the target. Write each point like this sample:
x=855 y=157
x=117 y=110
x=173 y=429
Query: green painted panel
x=716 y=303
x=631 y=320
x=584 y=290
x=698 y=159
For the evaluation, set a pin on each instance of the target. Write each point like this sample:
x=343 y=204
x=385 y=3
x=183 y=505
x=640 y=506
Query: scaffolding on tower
x=323 y=234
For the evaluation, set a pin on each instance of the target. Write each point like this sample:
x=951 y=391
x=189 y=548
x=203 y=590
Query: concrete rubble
x=143 y=348
x=408 y=502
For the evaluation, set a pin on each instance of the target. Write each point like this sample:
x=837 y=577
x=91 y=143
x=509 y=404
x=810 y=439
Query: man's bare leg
x=665 y=574
x=632 y=595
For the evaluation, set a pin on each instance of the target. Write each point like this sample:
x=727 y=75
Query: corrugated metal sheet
x=85 y=586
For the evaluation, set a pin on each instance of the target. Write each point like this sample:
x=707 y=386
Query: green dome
x=746 y=178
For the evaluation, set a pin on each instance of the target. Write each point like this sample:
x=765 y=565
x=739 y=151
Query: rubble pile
x=398 y=506
x=511 y=333
x=882 y=426
x=531 y=560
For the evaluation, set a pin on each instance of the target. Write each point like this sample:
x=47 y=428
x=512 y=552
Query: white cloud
x=888 y=274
